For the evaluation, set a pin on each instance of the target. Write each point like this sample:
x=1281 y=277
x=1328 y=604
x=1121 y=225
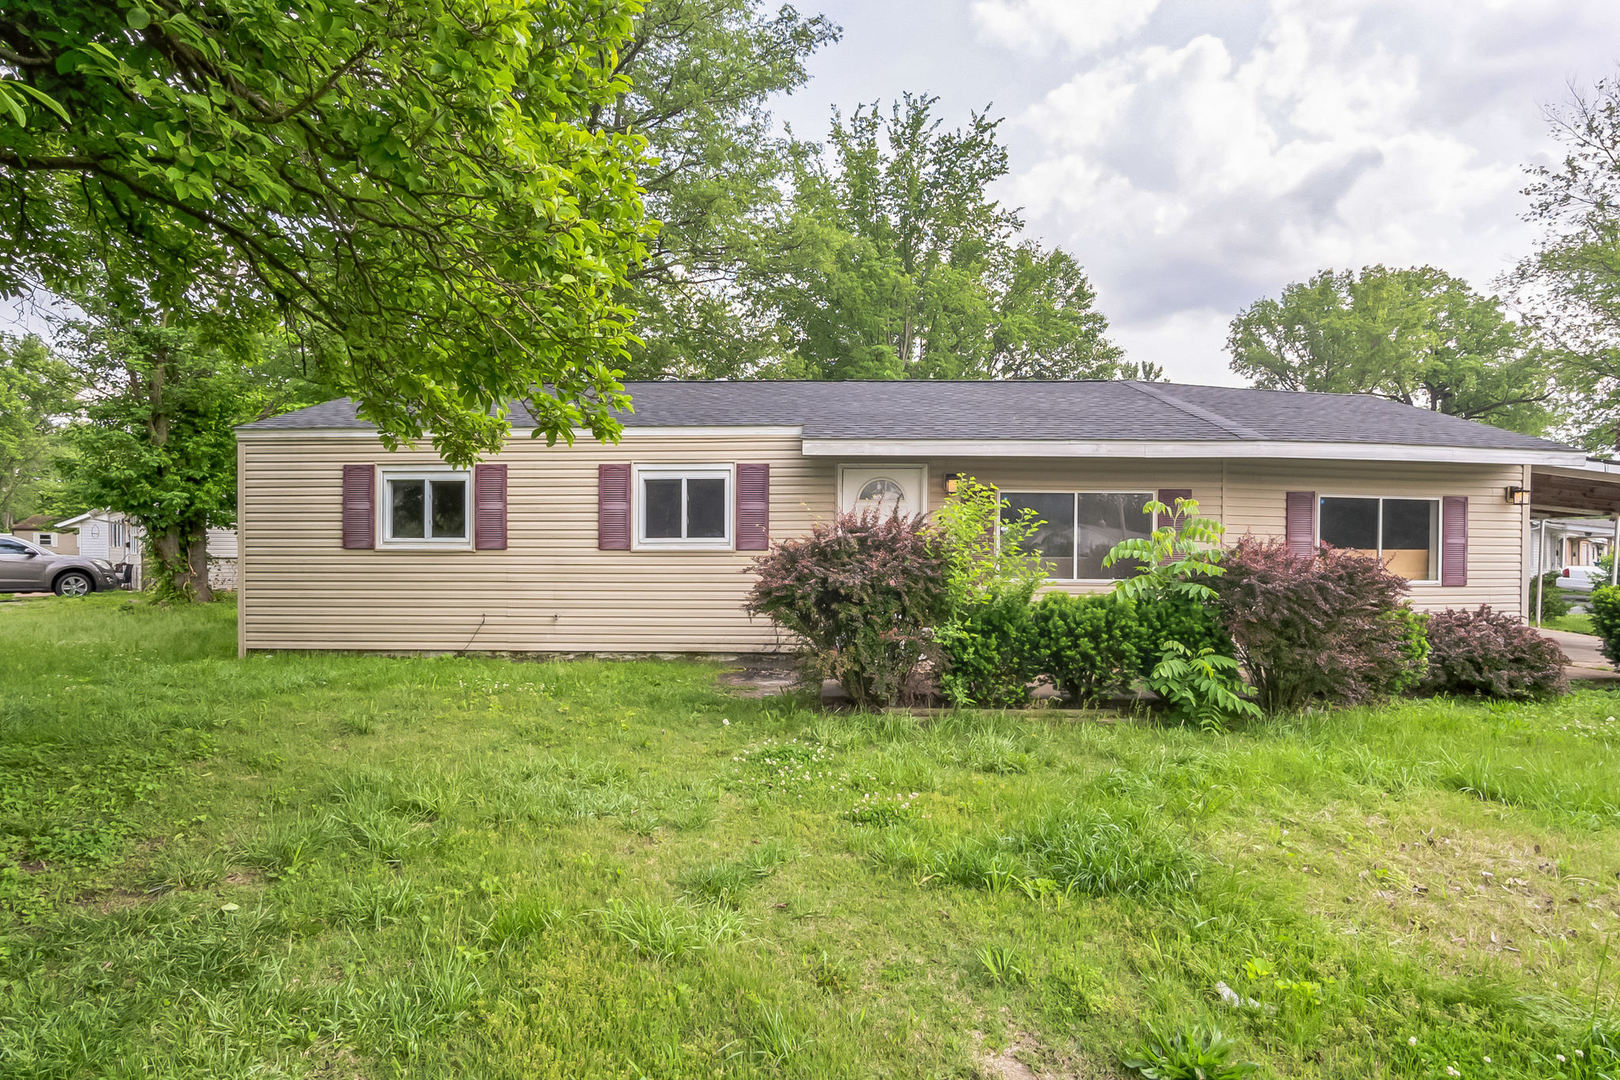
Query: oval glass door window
x=884 y=495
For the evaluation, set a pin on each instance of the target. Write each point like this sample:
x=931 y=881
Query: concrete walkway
x=1586 y=659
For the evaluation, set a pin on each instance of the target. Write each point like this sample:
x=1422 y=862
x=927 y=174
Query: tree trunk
x=197 y=564
x=180 y=561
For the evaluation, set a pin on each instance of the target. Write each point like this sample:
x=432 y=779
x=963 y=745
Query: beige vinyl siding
x=1255 y=495
x=550 y=590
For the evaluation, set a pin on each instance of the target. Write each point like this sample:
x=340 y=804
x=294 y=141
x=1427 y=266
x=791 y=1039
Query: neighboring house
x=39 y=530
x=110 y=535
x=643 y=545
x=1571 y=542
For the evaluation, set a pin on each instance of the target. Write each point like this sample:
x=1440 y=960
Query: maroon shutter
x=489 y=507
x=753 y=507
x=359 y=506
x=1300 y=522
x=1168 y=496
x=1454 y=540
x=613 y=507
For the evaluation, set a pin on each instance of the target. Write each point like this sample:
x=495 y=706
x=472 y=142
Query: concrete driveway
x=1586 y=659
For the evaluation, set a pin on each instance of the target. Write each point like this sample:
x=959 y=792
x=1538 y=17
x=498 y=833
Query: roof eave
x=1174 y=448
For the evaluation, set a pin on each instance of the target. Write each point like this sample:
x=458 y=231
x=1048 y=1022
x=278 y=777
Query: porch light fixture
x=1518 y=496
x=951 y=482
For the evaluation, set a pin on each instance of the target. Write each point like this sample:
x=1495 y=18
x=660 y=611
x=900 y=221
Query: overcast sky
x=1198 y=154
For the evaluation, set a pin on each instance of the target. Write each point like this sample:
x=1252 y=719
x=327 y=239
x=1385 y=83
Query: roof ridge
x=1231 y=427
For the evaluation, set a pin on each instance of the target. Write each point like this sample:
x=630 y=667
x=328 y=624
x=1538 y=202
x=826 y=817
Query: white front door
x=887 y=489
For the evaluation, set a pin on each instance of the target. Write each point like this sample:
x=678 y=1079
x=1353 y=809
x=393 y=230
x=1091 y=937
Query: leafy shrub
x=1184 y=548
x=1204 y=687
x=1555 y=602
x=1492 y=654
x=862 y=593
x=1414 y=648
x=1319 y=626
x=1088 y=645
x=1100 y=645
x=990 y=578
x=1605 y=608
x=1179 y=617
x=1192 y=1053
x=989 y=652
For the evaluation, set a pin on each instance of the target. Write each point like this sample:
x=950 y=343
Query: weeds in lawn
x=1193 y=1053
x=1076 y=850
x=665 y=933
x=725 y=882
x=773 y=1038
x=521 y=918
x=1003 y=965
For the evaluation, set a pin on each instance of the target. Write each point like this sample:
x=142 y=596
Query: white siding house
x=107 y=534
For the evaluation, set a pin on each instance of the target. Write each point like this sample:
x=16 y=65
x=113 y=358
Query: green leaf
x=138 y=18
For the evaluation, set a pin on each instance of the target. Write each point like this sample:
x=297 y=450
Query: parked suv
x=26 y=567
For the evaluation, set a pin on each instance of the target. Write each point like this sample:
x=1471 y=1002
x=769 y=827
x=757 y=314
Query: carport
x=1589 y=490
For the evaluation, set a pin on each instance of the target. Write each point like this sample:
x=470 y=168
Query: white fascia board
x=248 y=434
x=1245 y=448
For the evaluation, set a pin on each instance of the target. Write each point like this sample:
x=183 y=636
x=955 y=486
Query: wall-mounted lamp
x=1518 y=496
x=952 y=480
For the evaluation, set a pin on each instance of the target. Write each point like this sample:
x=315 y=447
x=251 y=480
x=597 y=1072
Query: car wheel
x=74 y=583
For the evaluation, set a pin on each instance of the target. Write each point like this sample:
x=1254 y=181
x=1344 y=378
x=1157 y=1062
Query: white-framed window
x=45 y=539
x=684 y=506
x=426 y=508
x=1079 y=527
x=1403 y=533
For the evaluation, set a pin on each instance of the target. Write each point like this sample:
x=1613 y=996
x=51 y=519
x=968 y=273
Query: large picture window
x=425 y=508
x=683 y=506
x=1404 y=534
x=1078 y=528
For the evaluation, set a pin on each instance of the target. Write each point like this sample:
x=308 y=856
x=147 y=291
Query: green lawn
x=336 y=866
x=1575 y=624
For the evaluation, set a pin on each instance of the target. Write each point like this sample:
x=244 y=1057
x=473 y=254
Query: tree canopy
x=1416 y=335
x=1571 y=285
x=36 y=399
x=700 y=74
x=412 y=186
x=903 y=265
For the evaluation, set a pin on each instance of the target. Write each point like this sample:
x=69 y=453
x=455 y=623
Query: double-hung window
x=683 y=506
x=1077 y=529
x=427 y=509
x=1404 y=534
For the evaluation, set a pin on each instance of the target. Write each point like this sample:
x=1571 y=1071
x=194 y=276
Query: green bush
x=990 y=578
x=1096 y=646
x=1605 y=608
x=1090 y=646
x=990 y=654
x=1555 y=601
x=1413 y=646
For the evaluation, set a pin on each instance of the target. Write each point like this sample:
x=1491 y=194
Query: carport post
x=1614 y=554
x=1541 y=560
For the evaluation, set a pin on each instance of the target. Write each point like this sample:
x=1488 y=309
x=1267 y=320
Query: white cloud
x=1197 y=173
x=1080 y=26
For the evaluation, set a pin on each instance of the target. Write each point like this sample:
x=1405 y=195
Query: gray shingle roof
x=1089 y=411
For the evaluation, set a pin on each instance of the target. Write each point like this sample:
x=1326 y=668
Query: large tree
x=156 y=438
x=411 y=185
x=36 y=400
x=1416 y=335
x=903 y=265
x=1571 y=287
x=700 y=73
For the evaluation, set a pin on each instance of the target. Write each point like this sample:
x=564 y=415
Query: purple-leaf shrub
x=863 y=594
x=1325 y=626
x=1492 y=654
